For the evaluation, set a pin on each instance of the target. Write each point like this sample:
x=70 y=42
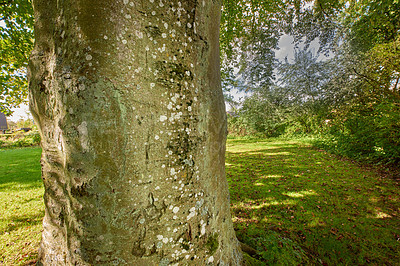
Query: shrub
x=20 y=139
x=369 y=132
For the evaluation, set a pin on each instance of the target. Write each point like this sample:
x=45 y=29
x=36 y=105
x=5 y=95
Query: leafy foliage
x=372 y=22
x=368 y=132
x=296 y=104
x=350 y=99
x=250 y=31
x=20 y=139
x=366 y=127
x=16 y=42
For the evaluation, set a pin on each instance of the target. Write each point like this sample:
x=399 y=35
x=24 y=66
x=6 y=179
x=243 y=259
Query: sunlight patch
x=316 y=222
x=300 y=194
x=253 y=205
x=277 y=153
x=271 y=176
x=373 y=199
x=381 y=215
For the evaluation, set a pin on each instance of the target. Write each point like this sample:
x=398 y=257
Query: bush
x=256 y=118
x=369 y=132
x=20 y=139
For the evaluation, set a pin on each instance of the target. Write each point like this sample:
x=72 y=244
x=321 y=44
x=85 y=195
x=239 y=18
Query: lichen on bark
x=128 y=100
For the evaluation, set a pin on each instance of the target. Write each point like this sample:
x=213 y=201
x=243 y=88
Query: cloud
x=20 y=113
x=286 y=48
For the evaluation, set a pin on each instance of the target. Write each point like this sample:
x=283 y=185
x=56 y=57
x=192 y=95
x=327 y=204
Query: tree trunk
x=128 y=100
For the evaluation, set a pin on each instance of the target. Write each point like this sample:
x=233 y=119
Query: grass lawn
x=296 y=204
x=21 y=205
x=292 y=203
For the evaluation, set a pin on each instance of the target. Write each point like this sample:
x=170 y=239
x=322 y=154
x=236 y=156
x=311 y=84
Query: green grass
x=21 y=205
x=296 y=204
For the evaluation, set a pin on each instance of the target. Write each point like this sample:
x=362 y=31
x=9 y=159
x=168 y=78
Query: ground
x=290 y=202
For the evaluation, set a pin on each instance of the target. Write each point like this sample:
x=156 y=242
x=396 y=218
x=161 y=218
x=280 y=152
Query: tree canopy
x=345 y=89
x=16 y=42
x=355 y=64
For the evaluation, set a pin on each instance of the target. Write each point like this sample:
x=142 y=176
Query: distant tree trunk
x=128 y=100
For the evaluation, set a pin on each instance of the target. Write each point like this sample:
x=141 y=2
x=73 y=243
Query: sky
x=286 y=48
x=20 y=113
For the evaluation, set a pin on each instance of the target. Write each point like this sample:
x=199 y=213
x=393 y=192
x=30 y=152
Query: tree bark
x=128 y=100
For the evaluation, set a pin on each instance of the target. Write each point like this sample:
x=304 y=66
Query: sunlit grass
x=300 y=194
x=331 y=211
x=293 y=203
x=21 y=205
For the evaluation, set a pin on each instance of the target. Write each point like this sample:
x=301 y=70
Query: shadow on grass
x=18 y=221
x=330 y=211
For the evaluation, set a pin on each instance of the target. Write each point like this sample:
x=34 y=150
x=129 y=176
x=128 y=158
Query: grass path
x=297 y=204
x=292 y=203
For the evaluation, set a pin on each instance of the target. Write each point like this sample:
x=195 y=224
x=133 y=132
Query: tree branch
x=368 y=79
x=377 y=86
x=395 y=85
x=323 y=10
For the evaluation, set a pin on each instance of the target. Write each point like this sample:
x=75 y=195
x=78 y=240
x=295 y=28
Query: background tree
x=128 y=101
x=303 y=89
x=250 y=31
x=343 y=97
x=16 y=42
